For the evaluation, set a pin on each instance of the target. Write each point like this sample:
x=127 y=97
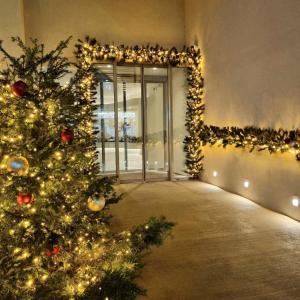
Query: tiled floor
x=223 y=247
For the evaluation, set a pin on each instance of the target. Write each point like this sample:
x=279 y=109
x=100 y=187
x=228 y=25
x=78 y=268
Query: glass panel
x=156 y=131
x=155 y=73
x=105 y=119
x=179 y=88
x=130 y=122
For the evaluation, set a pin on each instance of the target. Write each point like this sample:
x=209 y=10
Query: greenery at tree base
x=56 y=240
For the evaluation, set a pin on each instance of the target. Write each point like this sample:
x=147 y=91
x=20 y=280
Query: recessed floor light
x=295 y=201
x=246 y=183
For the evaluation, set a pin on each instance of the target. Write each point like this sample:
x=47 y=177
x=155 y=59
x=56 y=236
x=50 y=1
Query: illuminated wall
x=11 y=22
x=251 y=68
x=118 y=21
x=179 y=88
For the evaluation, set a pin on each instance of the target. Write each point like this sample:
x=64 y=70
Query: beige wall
x=129 y=22
x=179 y=88
x=11 y=23
x=251 y=68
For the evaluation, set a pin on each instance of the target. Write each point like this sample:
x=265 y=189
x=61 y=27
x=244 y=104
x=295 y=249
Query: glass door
x=105 y=124
x=133 y=122
x=156 y=124
x=130 y=126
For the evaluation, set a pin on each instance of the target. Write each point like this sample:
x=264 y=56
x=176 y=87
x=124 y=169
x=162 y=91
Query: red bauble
x=54 y=251
x=67 y=135
x=19 y=88
x=20 y=199
x=48 y=253
x=24 y=198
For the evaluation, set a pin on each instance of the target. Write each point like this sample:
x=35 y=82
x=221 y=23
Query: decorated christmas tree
x=55 y=236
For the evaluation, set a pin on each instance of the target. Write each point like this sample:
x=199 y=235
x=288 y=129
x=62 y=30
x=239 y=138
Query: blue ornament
x=17 y=165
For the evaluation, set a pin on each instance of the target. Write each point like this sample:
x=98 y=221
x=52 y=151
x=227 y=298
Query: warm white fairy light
x=91 y=52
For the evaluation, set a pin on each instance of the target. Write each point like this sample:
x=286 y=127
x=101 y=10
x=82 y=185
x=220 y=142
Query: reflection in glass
x=130 y=122
x=156 y=131
x=105 y=119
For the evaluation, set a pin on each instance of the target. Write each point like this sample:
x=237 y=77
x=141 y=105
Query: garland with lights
x=90 y=51
x=199 y=134
x=251 y=138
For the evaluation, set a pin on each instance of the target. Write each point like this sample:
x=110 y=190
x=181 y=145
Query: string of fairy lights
x=250 y=138
x=86 y=255
x=52 y=242
x=198 y=133
x=90 y=51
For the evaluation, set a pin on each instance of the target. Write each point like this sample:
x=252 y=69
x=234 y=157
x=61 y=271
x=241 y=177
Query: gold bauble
x=95 y=203
x=18 y=165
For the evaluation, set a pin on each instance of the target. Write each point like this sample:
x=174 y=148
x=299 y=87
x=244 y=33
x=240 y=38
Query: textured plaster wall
x=251 y=68
x=11 y=23
x=129 y=22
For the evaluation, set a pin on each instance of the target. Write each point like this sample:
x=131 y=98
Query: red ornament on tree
x=48 y=253
x=67 y=135
x=19 y=88
x=54 y=251
x=24 y=198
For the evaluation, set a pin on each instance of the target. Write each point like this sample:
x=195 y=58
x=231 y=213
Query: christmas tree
x=56 y=239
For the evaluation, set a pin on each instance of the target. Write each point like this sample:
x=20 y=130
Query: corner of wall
x=22 y=17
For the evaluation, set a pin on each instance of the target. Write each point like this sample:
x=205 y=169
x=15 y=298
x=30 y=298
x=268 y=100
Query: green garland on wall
x=253 y=138
x=194 y=121
x=249 y=138
x=90 y=51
